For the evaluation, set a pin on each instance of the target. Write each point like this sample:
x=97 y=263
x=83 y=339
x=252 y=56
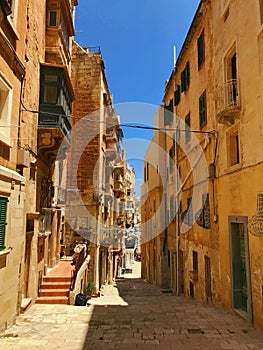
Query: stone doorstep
x=25 y=304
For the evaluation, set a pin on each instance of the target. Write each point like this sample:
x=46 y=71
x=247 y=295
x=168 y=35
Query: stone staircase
x=54 y=290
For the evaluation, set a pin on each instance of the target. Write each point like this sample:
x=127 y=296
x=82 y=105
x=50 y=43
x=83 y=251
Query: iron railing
x=228 y=97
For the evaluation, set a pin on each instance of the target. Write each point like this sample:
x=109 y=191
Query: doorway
x=240 y=267
x=181 y=271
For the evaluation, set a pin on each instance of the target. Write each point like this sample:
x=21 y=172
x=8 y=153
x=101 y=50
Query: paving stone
x=136 y=315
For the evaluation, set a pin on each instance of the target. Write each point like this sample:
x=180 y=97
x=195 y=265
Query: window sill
x=5 y=140
x=233 y=168
x=5 y=252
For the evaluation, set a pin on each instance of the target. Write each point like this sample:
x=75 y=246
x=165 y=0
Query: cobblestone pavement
x=131 y=314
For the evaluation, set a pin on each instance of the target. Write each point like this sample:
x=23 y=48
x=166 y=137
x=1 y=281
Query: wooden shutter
x=3 y=209
x=187 y=74
x=187 y=128
x=168 y=113
x=177 y=96
x=202 y=110
x=183 y=81
x=208 y=288
x=200 y=49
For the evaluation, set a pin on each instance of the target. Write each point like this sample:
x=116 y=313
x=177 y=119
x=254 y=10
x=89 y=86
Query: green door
x=239 y=274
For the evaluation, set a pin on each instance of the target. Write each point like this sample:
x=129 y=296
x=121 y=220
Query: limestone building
x=36 y=97
x=93 y=200
x=212 y=241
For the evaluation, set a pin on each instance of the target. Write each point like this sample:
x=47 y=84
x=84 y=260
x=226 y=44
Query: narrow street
x=131 y=314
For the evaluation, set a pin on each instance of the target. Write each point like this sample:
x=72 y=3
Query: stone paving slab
x=131 y=314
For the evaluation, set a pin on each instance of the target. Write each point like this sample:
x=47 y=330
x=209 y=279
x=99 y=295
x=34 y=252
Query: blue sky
x=136 y=40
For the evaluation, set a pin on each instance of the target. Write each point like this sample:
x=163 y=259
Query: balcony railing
x=228 y=102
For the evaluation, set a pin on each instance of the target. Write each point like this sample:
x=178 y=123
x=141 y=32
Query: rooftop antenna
x=174 y=56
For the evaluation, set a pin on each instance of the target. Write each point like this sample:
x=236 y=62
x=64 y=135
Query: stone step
x=52 y=300
x=55 y=285
x=54 y=292
x=56 y=279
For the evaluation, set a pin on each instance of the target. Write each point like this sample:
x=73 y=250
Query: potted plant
x=89 y=289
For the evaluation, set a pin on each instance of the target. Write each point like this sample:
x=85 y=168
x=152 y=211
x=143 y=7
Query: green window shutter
x=187 y=73
x=3 y=209
x=200 y=49
x=187 y=128
x=168 y=113
x=183 y=81
x=177 y=96
x=202 y=109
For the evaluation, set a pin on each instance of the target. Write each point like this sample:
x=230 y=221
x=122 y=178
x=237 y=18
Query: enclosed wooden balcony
x=58 y=31
x=56 y=97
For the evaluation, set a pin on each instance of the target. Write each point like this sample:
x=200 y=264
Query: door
x=173 y=263
x=234 y=76
x=181 y=271
x=240 y=269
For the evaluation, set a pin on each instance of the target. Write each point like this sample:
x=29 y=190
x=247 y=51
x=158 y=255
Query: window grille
x=3 y=210
x=255 y=224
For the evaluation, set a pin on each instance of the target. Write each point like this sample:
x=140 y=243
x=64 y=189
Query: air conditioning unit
x=23 y=158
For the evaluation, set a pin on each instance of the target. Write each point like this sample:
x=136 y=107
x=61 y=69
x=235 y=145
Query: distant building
x=96 y=153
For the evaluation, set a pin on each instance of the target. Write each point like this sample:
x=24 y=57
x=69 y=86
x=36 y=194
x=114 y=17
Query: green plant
x=89 y=288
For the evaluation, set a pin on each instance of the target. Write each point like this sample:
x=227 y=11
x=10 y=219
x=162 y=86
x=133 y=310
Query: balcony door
x=231 y=78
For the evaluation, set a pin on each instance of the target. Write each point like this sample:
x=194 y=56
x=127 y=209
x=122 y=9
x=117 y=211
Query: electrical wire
x=123 y=125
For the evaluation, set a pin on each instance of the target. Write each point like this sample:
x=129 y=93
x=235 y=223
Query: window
x=52 y=19
x=171 y=159
x=261 y=10
x=64 y=31
x=54 y=88
x=206 y=210
x=177 y=95
x=234 y=149
x=168 y=113
x=200 y=49
x=172 y=211
x=202 y=110
x=195 y=261
x=208 y=289
x=6 y=93
x=187 y=128
x=178 y=132
x=50 y=88
x=147 y=171
x=3 y=210
x=185 y=77
x=188 y=214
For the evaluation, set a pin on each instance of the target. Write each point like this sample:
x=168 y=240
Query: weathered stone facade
x=211 y=246
x=28 y=149
x=94 y=150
